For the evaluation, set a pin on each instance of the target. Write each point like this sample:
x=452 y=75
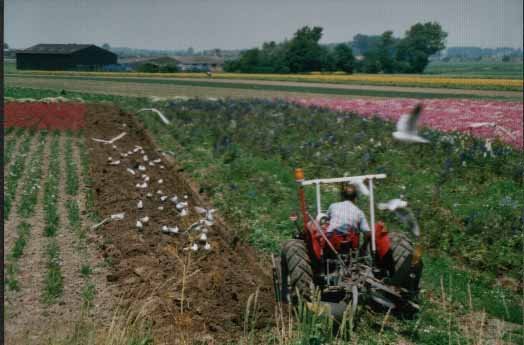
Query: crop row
x=23 y=232
x=15 y=173
x=53 y=280
x=10 y=143
x=71 y=169
x=29 y=194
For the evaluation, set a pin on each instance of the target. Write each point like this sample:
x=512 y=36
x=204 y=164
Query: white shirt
x=345 y=215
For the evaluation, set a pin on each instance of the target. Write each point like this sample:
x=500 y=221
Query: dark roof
x=55 y=48
x=200 y=60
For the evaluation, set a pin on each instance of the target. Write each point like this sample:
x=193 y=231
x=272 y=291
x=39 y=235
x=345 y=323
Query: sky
x=240 y=24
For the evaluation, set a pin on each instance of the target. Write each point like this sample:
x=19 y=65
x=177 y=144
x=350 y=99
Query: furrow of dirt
x=10 y=233
x=25 y=319
x=198 y=295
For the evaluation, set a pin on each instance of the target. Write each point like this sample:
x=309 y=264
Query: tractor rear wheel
x=297 y=274
x=405 y=273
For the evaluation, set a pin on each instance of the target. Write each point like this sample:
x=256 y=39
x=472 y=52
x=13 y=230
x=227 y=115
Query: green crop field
x=479 y=69
x=468 y=202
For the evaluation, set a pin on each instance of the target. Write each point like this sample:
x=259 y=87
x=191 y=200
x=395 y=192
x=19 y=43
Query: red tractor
x=345 y=270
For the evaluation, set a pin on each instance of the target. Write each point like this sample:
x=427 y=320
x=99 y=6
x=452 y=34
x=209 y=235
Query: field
x=238 y=155
x=496 y=77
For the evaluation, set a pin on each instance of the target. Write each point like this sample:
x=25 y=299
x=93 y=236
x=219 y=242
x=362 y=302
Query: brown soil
x=202 y=294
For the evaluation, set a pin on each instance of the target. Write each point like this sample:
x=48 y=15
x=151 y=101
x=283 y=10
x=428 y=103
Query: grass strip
x=29 y=196
x=15 y=173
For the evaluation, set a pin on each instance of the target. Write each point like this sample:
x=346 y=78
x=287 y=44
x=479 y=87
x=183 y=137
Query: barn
x=64 y=57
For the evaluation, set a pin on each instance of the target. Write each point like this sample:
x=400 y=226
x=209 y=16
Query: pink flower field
x=485 y=119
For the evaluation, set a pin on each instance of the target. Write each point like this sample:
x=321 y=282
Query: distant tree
x=421 y=41
x=364 y=43
x=344 y=59
x=106 y=46
x=384 y=52
x=506 y=58
x=304 y=53
x=6 y=46
x=190 y=51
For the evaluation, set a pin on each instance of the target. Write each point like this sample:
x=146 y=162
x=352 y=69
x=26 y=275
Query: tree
x=364 y=43
x=384 y=52
x=106 y=46
x=344 y=59
x=421 y=41
x=6 y=46
x=304 y=53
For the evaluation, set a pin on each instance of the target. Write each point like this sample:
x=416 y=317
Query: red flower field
x=61 y=116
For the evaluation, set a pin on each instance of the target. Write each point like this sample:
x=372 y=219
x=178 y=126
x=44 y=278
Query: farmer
x=345 y=215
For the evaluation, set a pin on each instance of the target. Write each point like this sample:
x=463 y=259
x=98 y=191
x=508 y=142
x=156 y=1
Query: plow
x=336 y=274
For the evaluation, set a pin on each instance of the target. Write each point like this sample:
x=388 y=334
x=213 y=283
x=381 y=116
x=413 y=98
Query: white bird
x=114 y=162
x=141 y=168
x=159 y=192
x=131 y=171
x=392 y=204
x=144 y=219
x=140 y=205
x=141 y=185
x=151 y=164
x=129 y=153
x=181 y=205
x=165 y=229
x=156 y=111
x=174 y=199
x=361 y=187
x=139 y=224
x=174 y=230
x=161 y=208
x=118 y=216
x=111 y=141
x=109 y=158
x=149 y=195
x=203 y=238
x=158 y=160
x=207 y=246
x=136 y=149
x=184 y=212
x=407 y=127
x=163 y=198
x=160 y=181
x=208 y=214
x=194 y=247
x=162 y=167
x=145 y=158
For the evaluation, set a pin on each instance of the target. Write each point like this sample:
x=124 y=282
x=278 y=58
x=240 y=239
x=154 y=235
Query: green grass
x=51 y=188
x=15 y=172
x=264 y=87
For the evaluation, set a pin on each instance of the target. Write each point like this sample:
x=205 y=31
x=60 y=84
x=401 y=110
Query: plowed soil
x=186 y=294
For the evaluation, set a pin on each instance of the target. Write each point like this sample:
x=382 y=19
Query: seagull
x=111 y=141
x=156 y=111
x=208 y=214
x=407 y=127
x=405 y=214
x=392 y=205
x=362 y=188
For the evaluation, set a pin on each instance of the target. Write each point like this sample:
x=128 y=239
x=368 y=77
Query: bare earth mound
x=185 y=294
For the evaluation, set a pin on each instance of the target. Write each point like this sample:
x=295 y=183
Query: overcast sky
x=231 y=24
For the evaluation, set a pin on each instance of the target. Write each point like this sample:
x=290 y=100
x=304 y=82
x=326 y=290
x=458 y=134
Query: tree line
x=381 y=53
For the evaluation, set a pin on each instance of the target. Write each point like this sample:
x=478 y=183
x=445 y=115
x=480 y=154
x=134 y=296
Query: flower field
x=363 y=79
x=485 y=119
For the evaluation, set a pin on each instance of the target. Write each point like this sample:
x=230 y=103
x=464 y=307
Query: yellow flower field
x=366 y=79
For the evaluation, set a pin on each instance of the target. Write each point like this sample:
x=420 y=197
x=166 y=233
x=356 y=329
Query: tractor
x=383 y=271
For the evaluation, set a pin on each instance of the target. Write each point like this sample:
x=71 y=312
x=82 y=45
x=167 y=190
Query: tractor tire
x=404 y=273
x=296 y=272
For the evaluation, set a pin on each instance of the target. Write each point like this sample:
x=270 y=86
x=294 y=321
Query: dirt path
x=24 y=308
x=188 y=295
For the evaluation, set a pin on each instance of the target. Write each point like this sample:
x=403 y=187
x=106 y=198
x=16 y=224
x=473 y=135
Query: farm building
x=150 y=64
x=200 y=63
x=64 y=57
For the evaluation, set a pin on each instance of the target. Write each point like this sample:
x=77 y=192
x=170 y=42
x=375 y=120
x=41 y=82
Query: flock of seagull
x=197 y=233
